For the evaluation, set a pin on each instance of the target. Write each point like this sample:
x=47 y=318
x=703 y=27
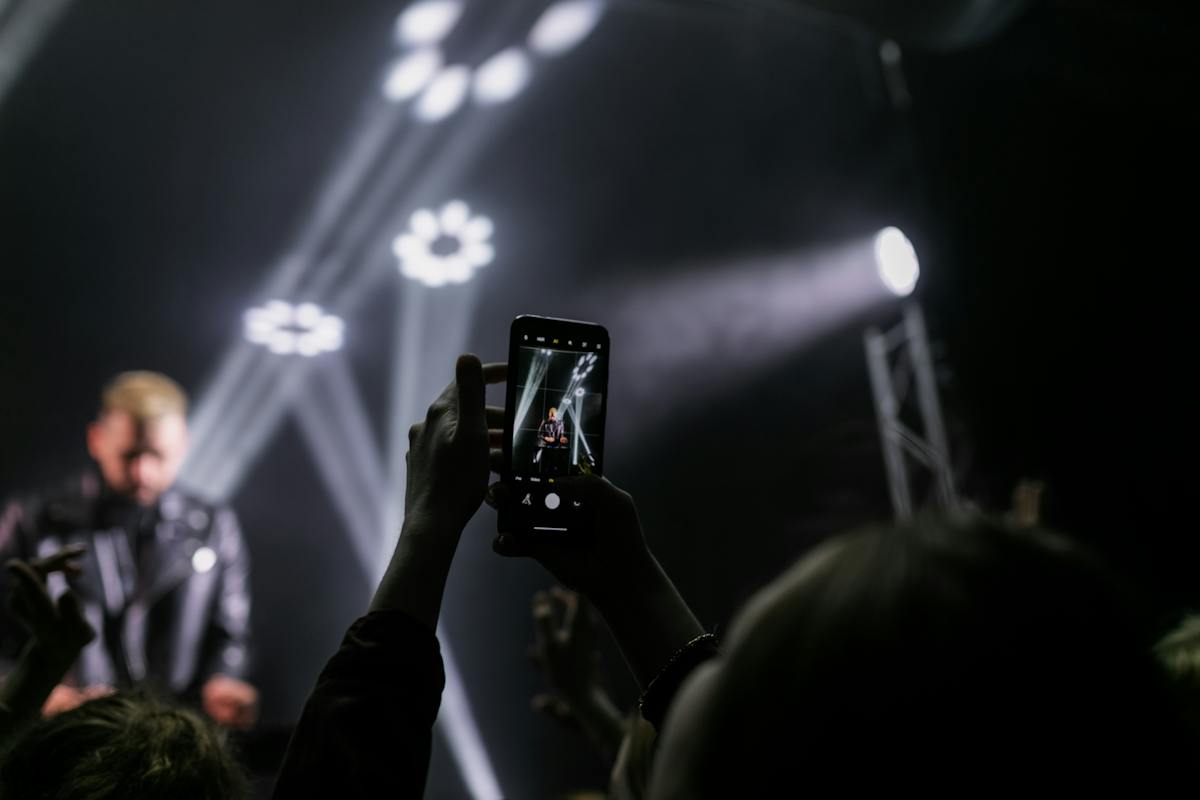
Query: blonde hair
x=553 y=411
x=143 y=395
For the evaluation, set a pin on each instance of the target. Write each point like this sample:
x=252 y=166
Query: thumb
x=468 y=379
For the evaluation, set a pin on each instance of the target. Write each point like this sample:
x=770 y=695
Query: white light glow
x=427 y=21
x=444 y=247
x=462 y=731
x=282 y=342
x=203 y=560
x=564 y=25
x=285 y=329
x=502 y=77
x=454 y=216
x=308 y=315
x=896 y=261
x=444 y=95
x=412 y=73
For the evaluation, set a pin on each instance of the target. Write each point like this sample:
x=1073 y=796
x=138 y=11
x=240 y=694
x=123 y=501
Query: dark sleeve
x=367 y=726
x=228 y=638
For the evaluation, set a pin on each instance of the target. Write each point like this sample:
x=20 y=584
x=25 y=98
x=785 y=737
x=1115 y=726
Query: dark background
x=156 y=159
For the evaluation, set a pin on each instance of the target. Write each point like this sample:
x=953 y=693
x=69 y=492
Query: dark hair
x=1179 y=653
x=121 y=747
x=949 y=644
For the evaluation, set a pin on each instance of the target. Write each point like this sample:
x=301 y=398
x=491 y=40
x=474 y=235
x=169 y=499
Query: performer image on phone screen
x=552 y=440
x=558 y=411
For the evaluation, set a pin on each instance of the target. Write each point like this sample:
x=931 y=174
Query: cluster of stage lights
x=438 y=89
x=287 y=329
x=583 y=368
x=444 y=247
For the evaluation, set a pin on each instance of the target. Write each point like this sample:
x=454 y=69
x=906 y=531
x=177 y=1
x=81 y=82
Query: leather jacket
x=166 y=588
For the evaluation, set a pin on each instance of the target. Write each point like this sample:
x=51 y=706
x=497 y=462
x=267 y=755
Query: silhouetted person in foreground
x=911 y=656
x=927 y=652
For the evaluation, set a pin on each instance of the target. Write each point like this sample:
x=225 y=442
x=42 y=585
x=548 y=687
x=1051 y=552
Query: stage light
x=564 y=25
x=285 y=329
x=502 y=77
x=411 y=73
x=443 y=96
x=427 y=21
x=446 y=247
x=896 y=261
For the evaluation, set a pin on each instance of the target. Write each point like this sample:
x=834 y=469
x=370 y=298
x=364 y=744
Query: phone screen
x=558 y=379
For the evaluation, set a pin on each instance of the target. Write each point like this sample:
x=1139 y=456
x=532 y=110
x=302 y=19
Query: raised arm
x=366 y=730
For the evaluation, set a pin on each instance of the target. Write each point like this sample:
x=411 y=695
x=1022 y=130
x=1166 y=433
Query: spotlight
x=427 y=21
x=285 y=329
x=412 y=73
x=502 y=77
x=446 y=247
x=444 y=94
x=896 y=261
x=564 y=25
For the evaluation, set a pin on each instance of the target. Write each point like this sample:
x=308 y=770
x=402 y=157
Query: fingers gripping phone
x=554 y=421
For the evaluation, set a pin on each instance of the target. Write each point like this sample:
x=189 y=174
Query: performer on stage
x=552 y=443
x=165 y=578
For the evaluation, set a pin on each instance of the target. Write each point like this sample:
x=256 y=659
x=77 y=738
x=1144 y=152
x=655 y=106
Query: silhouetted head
x=121 y=747
x=918 y=653
x=1179 y=653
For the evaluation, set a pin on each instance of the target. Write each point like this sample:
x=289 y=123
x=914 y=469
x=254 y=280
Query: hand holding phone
x=448 y=450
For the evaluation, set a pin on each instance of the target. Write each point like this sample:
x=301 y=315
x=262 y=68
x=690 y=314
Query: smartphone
x=554 y=421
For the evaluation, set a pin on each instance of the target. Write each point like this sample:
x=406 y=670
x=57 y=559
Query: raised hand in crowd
x=448 y=466
x=366 y=730
x=58 y=632
x=565 y=653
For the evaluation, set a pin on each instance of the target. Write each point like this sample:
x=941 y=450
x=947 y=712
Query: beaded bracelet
x=661 y=690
